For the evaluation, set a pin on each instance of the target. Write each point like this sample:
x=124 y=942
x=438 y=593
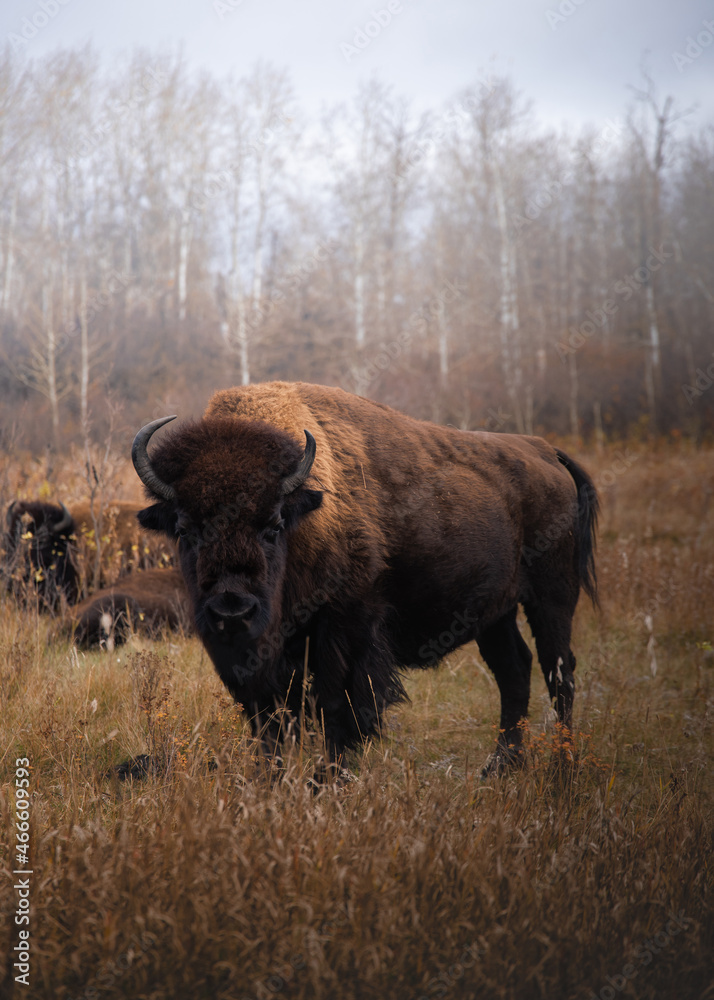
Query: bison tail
x=588 y=510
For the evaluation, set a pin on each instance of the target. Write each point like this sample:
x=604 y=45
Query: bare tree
x=652 y=138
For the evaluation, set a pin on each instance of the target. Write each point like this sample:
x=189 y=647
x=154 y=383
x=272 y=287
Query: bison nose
x=236 y=606
x=228 y=608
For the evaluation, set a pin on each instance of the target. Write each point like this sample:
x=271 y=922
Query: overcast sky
x=573 y=58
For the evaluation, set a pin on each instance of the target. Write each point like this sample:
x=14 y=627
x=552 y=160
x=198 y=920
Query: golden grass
x=209 y=878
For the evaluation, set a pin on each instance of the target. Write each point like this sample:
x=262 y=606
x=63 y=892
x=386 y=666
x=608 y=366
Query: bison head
x=232 y=492
x=38 y=551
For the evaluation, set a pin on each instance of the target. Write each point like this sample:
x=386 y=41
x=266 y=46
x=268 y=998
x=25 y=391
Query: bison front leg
x=507 y=655
x=270 y=723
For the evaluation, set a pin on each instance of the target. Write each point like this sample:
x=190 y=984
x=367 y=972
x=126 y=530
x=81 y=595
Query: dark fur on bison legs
x=272 y=729
x=508 y=656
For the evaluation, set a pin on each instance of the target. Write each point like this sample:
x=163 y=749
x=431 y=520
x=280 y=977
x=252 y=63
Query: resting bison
x=55 y=549
x=386 y=540
x=143 y=602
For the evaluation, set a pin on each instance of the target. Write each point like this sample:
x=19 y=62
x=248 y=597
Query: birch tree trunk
x=259 y=228
x=83 y=348
x=9 y=252
x=48 y=330
x=510 y=331
x=185 y=237
x=236 y=311
x=360 y=332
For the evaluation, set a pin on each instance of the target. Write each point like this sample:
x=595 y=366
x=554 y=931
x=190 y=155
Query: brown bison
x=386 y=541
x=55 y=549
x=144 y=602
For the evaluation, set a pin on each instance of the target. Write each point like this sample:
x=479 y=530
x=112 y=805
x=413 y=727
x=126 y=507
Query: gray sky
x=574 y=64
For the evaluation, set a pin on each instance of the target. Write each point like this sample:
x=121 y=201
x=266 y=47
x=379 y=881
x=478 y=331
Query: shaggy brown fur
x=145 y=602
x=420 y=537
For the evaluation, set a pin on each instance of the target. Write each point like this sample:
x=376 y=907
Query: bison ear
x=161 y=517
x=299 y=503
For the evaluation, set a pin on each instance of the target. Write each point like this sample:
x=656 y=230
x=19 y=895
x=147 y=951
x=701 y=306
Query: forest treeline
x=164 y=233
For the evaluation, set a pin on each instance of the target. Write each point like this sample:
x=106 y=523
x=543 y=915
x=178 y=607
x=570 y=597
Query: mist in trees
x=165 y=233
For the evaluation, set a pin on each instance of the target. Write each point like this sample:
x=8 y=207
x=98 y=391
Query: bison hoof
x=502 y=761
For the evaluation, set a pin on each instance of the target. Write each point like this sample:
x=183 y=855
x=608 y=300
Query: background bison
x=61 y=552
x=409 y=526
x=144 y=602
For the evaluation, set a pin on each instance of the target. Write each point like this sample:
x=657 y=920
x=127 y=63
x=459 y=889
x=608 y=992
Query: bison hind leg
x=509 y=658
x=551 y=623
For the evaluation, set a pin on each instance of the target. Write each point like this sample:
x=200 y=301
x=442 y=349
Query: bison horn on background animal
x=142 y=464
x=63 y=524
x=291 y=483
x=8 y=516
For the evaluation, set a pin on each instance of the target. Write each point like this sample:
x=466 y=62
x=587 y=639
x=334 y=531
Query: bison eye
x=274 y=529
x=185 y=529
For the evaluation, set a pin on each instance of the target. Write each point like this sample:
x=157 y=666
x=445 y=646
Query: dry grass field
x=210 y=879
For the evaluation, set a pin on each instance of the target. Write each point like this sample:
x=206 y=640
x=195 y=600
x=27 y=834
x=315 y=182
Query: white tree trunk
x=510 y=327
x=83 y=349
x=9 y=253
x=51 y=353
x=242 y=339
x=654 y=328
x=259 y=226
x=360 y=333
x=573 y=399
x=443 y=347
x=185 y=237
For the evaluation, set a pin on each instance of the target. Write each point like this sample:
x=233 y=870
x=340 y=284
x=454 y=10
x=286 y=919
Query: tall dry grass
x=210 y=878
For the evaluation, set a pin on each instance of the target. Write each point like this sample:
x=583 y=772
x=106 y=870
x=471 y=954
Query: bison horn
x=291 y=483
x=64 y=522
x=142 y=464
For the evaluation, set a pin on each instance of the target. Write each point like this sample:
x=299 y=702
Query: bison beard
x=387 y=542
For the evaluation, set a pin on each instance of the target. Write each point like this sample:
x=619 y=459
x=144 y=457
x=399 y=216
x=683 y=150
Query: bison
x=55 y=548
x=144 y=602
x=381 y=543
